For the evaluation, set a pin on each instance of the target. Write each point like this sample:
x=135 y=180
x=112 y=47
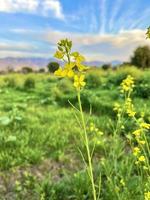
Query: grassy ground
x=40 y=137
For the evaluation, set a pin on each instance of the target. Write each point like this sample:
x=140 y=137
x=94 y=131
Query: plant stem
x=90 y=171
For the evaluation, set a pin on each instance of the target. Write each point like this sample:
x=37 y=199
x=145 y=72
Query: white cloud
x=106 y=47
x=55 y=6
x=20 y=46
x=33 y=6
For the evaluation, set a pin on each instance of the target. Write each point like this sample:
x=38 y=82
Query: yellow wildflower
x=137 y=132
x=79 y=81
x=122 y=182
x=147 y=196
x=67 y=72
x=127 y=84
x=136 y=151
x=131 y=113
x=58 y=72
x=148 y=33
x=141 y=141
x=100 y=133
x=145 y=125
x=142 y=159
x=117 y=107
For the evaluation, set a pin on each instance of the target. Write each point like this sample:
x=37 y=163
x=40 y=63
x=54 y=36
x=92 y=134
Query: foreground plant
x=75 y=69
x=139 y=140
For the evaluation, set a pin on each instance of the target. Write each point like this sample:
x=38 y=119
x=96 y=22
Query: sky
x=102 y=30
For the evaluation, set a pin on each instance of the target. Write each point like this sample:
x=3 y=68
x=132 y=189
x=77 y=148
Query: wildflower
x=131 y=113
x=58 y=72
x=136 y=151
x=147 y=196
x=127 y=84
x=122 y=182
x=145 y=125
x=67 y=72
x=142 y=159
x=137 y=132
x=117 y=107
x=148 y=33
x=141 y=142
x=100 y=133
x=79 y=81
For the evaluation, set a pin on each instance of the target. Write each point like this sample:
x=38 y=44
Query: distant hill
x=35 y=63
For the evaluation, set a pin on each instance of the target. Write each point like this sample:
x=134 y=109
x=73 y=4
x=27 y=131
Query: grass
x=39 y=136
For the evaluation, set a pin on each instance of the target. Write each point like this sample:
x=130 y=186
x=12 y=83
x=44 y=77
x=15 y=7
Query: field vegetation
x=40 y=136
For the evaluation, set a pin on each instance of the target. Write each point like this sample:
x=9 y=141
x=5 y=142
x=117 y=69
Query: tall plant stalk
x=90 y=166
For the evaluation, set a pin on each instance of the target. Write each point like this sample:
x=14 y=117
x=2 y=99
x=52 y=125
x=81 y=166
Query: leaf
x=5 y=120
x=60 y=48
x=11 y=138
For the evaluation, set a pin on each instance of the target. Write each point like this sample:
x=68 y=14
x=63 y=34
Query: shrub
x=27 y=70
x=93 y=80
x=65 y=86
x=116 y=79
x=29 y=83
x=52 y=66
x=10 y=82
x=142 y=87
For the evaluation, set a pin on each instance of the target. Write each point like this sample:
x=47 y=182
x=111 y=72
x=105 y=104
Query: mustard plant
x=139 y=137
x=75 y=69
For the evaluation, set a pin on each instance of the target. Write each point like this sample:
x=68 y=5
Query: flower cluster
x=129 y=107
x=148 y=33
x=73 y=67
x=95 y=134
x=147 y=196
x=140 y=140
x=127 y=84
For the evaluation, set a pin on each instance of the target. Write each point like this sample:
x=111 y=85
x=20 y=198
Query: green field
x=40 y=137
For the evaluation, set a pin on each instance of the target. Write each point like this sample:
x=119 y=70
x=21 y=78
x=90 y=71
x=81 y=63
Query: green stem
x=90 y=171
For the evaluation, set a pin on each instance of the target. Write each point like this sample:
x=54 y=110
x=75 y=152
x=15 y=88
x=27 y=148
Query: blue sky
x=101 y=29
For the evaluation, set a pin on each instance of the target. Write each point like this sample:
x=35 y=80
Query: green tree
x=141 y=57
x=52 y=66
x=106 y=66
x=27 y=70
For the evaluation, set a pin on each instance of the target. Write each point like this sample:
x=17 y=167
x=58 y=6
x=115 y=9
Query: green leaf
x=5 y=121
x=11 y=138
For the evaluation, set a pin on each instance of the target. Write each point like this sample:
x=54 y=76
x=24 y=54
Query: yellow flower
x=117 y=107
x=100 y=133
x=122 y=182
x=131 y=113
x=137 y=132
x=127 y=84
x=136 y=151
x=58 y=72
x=79 y=81
x=141 y=141
x=147 y=196
x=64 y=72
x=145 y=125
x=142 y=159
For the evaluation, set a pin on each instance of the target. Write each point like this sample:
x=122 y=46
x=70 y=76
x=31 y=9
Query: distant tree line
x=140 y=59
